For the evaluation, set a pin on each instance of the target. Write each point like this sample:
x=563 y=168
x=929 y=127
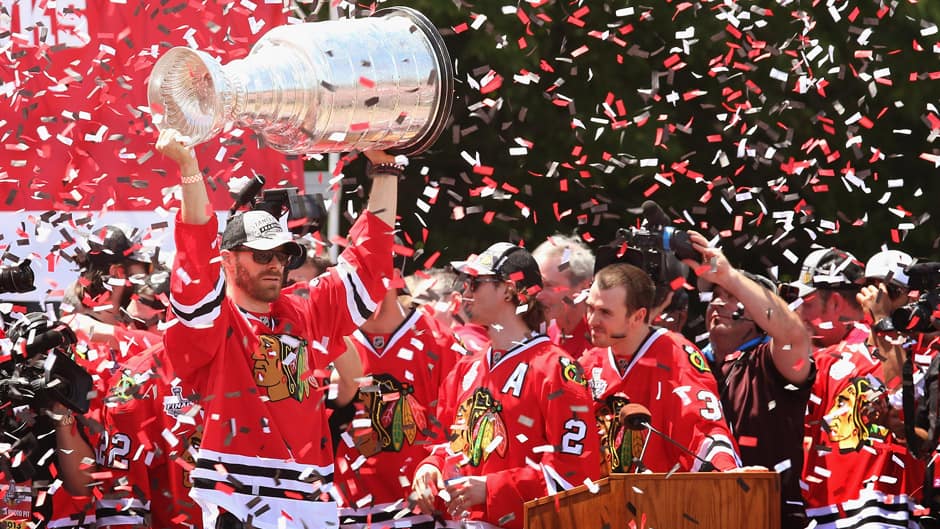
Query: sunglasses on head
x=264 y=257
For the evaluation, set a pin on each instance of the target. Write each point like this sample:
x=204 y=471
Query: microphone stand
x=706 y=465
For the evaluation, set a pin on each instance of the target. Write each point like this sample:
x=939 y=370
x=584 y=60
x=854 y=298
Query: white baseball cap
x=889 y=264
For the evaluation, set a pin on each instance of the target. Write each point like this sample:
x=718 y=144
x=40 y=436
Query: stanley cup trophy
x=382 y=82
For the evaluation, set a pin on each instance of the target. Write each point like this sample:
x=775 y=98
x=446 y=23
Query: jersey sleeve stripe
x=204 y=311
x=711 y=447
x=358 y=302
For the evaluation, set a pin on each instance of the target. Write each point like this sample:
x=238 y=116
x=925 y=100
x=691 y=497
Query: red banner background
x=75 y=133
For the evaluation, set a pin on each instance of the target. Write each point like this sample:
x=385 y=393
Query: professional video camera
x=304 y=212
x=37 y=374
x=17 y=279
x=656 y=248
x=919 y=316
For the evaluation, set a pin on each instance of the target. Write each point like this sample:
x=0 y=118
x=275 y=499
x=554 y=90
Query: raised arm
x=791 y=345
x=383 y=198
x=195 y=208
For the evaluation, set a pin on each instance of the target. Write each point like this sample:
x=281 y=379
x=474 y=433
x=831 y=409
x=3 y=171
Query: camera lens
x=17 y=278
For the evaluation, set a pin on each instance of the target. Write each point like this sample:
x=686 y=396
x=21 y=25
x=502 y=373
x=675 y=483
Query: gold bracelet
x=192 y=179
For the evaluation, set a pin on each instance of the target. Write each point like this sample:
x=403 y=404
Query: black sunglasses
x=264 y=257
x=789 y=293
x=473 y=282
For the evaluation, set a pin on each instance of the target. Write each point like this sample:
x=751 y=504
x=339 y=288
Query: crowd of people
x=250 y=383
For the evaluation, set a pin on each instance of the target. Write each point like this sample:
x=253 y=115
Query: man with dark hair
x=761 y=360
x=501 y=408
x=256 y=358
x=633 y=362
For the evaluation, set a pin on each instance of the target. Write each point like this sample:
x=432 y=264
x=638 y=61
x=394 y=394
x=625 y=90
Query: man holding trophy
x=256 y=357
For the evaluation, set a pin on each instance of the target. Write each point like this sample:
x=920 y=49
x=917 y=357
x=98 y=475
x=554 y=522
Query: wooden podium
x=681 y=500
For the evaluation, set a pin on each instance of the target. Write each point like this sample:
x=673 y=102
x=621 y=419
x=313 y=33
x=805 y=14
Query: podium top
x=696 y=500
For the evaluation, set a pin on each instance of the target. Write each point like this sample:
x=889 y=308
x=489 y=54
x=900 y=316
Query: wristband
x=192 y=179
x=883 y=326
x=393 y=169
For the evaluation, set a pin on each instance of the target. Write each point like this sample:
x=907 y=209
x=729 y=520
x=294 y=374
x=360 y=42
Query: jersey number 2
x=573 y=440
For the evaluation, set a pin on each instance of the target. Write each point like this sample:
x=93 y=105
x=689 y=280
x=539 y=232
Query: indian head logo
x=851 y=420
x=480 y=428
x=396 y=417
x=620 y=446
x=280 y=366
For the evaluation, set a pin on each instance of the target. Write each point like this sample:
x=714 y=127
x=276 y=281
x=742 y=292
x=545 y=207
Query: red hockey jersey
x=147 y=426
x=390 y=434
x=266 y=453
x=523 y=420
x=669 y=376
x=856 y=472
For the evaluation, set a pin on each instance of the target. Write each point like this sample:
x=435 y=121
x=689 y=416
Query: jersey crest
x=620 y=446
x=571 y=371
x=851 y=418
x=480 y=428
x=280 y=366
x=697 y=359
x=396 y=416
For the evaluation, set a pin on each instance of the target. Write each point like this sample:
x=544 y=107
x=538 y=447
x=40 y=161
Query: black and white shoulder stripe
x=358 y=302
x=203 y=312
x=127 y=511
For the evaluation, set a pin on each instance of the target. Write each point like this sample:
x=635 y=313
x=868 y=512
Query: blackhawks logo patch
x=571 y=371
x=697 y=359
x=480 y=429
x=396 y=417
x=620 y=446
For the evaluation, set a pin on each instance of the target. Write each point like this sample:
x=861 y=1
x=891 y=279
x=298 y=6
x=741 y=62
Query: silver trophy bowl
x=382 y=82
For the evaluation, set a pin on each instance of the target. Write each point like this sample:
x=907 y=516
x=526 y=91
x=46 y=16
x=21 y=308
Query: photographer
x=95 y=304
x=41 y=391
x=763 y=368
x=904 y=336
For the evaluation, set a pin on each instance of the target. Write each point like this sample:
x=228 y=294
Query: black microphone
x=637 y=417
x=247 y=194
x=49 y=340
x=655 y=214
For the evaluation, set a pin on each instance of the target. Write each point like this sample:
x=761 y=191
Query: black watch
x=884 y=325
